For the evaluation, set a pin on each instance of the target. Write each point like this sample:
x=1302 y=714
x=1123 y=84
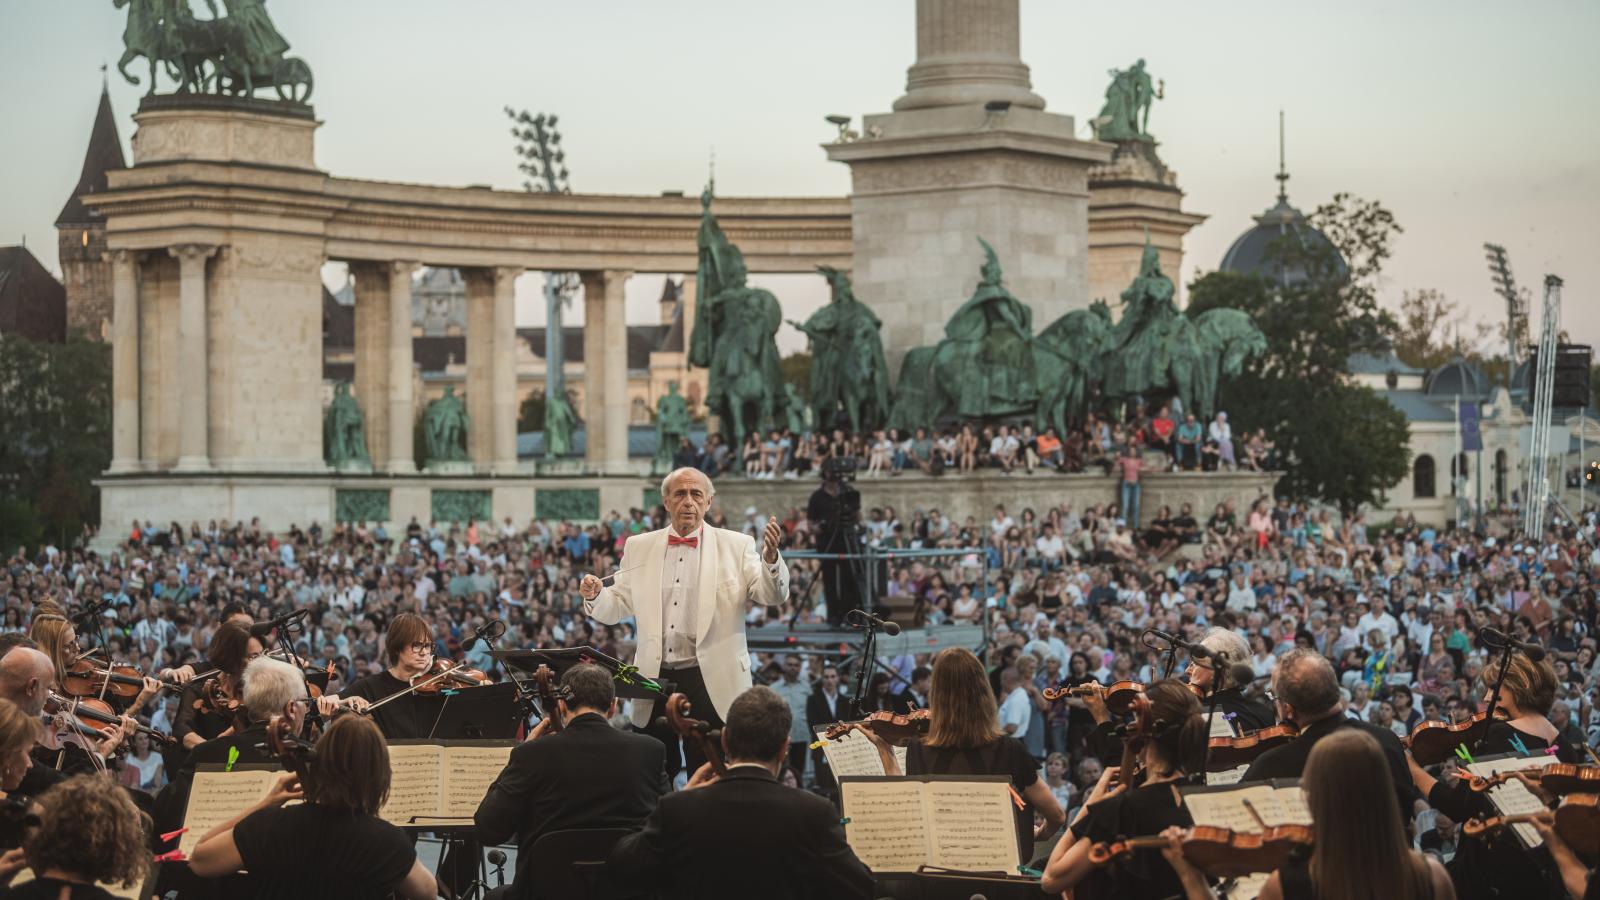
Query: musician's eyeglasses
x=423 y=647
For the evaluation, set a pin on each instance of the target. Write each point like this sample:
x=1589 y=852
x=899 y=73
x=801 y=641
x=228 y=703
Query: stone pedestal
x=944 y=170
x=219 y=129
x=1133 y=195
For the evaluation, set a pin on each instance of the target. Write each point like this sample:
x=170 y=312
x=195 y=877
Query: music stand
x=631 y=684
x=489 y=712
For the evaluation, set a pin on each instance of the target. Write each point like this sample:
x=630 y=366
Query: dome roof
x=1456 y=378
x=1249 y=252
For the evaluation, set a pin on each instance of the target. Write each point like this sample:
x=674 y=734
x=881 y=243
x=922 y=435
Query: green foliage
x=531 y=416
x=1343 y=444
x=55 y=401
x=1430 y=331
x=796 y=369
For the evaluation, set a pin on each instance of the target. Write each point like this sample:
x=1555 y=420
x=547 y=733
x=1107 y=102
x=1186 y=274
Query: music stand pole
x=869 y=650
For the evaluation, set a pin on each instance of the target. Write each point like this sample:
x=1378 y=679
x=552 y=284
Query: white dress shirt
x=680 y=577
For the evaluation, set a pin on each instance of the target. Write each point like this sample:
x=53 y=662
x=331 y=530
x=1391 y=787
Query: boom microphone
x=1497 y=639
x=487 y=632
x=287 y=621
x=889 y=628
x=1195 y=651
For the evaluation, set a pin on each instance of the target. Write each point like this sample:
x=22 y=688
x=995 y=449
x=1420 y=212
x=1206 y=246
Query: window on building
x=1422 y=477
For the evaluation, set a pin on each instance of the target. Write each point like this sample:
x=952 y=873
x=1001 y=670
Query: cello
x=550 y=691
x=707 y=739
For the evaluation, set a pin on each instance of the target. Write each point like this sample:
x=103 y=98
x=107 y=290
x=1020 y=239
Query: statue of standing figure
x=344 y=438
x=847 y=361
x=444 y=428
x=672 y=425
x=1126 y=113
x=559 y=422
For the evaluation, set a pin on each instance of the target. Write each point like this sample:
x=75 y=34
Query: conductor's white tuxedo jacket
x=732 y=574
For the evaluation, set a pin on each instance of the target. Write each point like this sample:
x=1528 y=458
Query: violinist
x=88 y=835
x=199 y=717
x=1143 y=801
x=409 y=646
x=18 y=733
x=1499 y=866
x=1228 y=650
x=964 y=738
x=26 y=679
x=58 y=640
x=1308 y=698
x=233 y=613
x=1360 y=847
x=333 y=844
x=587 y=775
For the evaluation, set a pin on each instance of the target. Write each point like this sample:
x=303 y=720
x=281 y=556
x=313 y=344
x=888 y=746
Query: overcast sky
x=1471 y=120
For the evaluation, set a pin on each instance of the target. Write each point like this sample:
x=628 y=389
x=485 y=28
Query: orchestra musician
x=1500 y=867
x=231 y=649
x=1129 y=803
x=587 y=775
x=743 y=834
x=233 y=612
x=57 y=639
x=190 y=729
x=964 y=738
x=88 y=833
x=1308 y=697
x=1360 y=850
x=1228 y=650
x=333 y=844
x=18 y=733
x=686 y=587
x=408 y=645
x=26 y=678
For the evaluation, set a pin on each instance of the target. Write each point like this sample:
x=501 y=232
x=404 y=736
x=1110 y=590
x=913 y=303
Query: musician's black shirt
x=402 y=718
x=301 y=851
x=1138 y=811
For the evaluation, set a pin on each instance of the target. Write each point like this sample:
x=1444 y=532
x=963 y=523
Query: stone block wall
x=86 y=275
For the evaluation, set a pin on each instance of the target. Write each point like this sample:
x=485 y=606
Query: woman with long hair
x=1360 y=851
x=964 y=738
x=231 y=649
x=89 y=833
x=333 y=844
x=1142 y=801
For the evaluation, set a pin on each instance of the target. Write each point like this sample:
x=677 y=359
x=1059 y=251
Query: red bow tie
x=673 y=540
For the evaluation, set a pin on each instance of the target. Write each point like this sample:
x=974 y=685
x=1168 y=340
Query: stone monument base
x=441 y=467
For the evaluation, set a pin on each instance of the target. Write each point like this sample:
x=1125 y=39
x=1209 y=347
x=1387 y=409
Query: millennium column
x=617 y=404
x=401 y=455
x=481 y=341
x=195 y=380
x=371 y=383
x=124 y=360
x=595 y=359
x=503 y=379
x=968 y=152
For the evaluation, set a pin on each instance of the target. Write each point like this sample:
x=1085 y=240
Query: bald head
x=1305 y=682
x=26 y=676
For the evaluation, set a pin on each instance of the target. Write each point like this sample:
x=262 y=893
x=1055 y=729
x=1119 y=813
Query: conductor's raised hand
x=590 y=587
x=771 y=536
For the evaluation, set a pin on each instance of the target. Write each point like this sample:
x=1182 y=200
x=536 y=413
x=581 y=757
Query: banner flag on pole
x=1471 y=437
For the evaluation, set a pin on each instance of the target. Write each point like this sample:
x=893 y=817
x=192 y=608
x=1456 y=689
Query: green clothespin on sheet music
x=233 y=757
x=1519 y=746
x=1031 y=873
x=1464 y=754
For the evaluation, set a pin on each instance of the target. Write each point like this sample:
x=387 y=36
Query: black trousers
x=692 y=684
x=841 y=587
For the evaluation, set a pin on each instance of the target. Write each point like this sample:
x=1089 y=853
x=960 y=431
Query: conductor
x=686 y=587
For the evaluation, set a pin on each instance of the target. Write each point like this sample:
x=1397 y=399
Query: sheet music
x=854 y=754
x=885 y=823
x=468 y=772
x=1248 y=887
x=1276 y=806
x=971 y=826
x=1279 y=806
x=217 y=797
x=1513 y=798
x=416 y=782
x=1226 y=776
x=1221 y=726
x=1220 y=809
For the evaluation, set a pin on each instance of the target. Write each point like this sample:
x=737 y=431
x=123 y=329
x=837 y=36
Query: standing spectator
x=1016 y=709
x=1128 y=468
x=797 y=693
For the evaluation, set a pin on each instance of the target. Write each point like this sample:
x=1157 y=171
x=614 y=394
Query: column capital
x=404 y=267
x=121 y=257
x=192 y=252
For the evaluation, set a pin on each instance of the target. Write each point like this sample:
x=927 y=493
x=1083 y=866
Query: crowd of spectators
x=1183 y=444
x=1064 y=595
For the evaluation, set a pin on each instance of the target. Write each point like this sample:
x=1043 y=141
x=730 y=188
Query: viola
x=445 y=675
x=215 y=701
x=1556 y=778
x=85 y=679
x=894 y=729
x=1119 y=696
x=550 y=691
x=696 y=730
x=1577 y=821
x=1434 y=742
x=1232 y=752
x=92 y=710
x=1219 y=852
x=295 y=753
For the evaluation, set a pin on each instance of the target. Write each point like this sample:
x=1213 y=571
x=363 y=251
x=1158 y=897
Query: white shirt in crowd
x=1015 y=711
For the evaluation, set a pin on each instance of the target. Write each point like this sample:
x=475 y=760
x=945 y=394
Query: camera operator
x=835 y=511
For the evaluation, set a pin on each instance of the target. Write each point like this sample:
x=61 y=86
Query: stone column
x=124 y=360
x=617 y=404
x=503 y=378
x=401 y=453
x=594 y=367
x=968 y=51
x=371 y=387
x=480 y=366
x=195 y=378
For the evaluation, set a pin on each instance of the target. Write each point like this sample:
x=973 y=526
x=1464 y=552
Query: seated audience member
x=743 y=834
x=588 y=775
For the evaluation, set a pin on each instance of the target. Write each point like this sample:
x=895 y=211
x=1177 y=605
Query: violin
x=701 y=732
x=1232 y=752
x=445 y=675
x=1434 y=742
x=99 y=711
x=1556 y=778
x=85 y=679
x=1136 y=735
x=1577 y=821
x=895 y=730
x=214 y=700
x=550 y=691
x=1219 y=852
x=1119 y=696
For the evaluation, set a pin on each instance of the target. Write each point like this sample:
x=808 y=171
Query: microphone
x=872 y=621
x=88 y=613
x=1240 y=675
x=1195 y=651
x=1497 y=639
x=488 y=631
x=262 y=629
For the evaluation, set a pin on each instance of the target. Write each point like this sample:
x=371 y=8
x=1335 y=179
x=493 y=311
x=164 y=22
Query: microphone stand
x=1217 y=674
x=1154 y=643
x=1494 y=695
x=869 y=654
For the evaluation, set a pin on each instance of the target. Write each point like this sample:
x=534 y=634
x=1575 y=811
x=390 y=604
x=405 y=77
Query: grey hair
x=666 y=482
x=1226 y=644
x=270 y=685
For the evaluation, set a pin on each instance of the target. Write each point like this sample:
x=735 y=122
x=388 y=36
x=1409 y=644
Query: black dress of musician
x=1142 y=802
x=409 y=647
x=1501 y=867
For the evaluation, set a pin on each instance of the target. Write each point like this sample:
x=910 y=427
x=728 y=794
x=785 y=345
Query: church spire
x=104 y=154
